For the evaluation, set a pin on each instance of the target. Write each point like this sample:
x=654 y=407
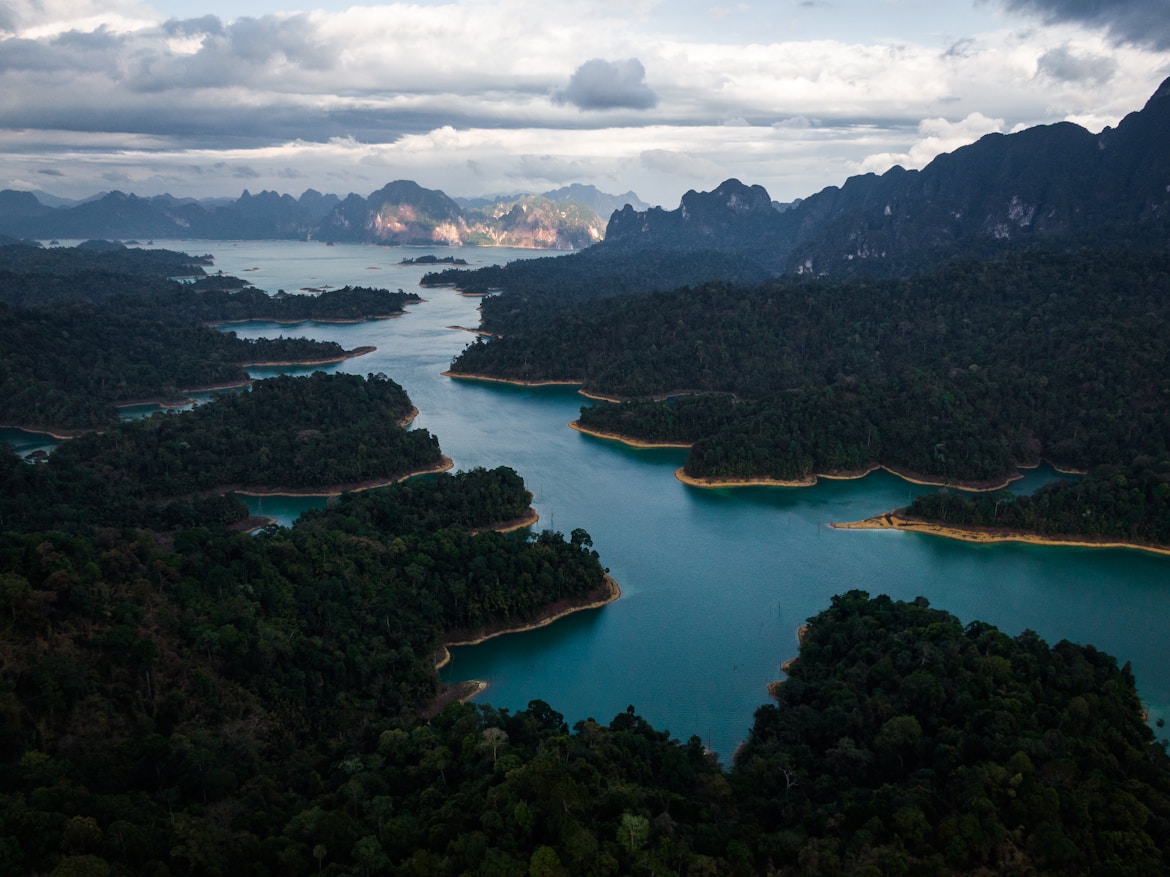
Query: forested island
x=66 y=368
x=959 y=376
x=431 y=259
x=1126 y=506
x=84 y=329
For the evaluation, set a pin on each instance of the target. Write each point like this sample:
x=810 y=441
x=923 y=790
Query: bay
x=715 y=582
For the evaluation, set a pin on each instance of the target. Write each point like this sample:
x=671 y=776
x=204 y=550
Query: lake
x=715 y=582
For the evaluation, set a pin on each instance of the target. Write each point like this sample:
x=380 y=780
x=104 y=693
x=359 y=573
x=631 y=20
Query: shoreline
x=987 y=535
x=336 y=490
x=811 y=480
x=63 y=435
x=339 y=321
x=463 y=376
x=526 y=520
x=348 y=354
x=609 y=591
x=625 y=440
x=473 y=332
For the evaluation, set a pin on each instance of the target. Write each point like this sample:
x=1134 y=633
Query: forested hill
x=67 y=367
x=143 y=283
x=1112 y=504
x=959 y=375
x=322 y=433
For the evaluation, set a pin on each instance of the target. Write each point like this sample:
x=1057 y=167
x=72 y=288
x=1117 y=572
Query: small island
x=433 y=260
x=1109 y=507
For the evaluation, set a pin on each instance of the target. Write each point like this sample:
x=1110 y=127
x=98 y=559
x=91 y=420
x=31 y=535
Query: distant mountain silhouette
x=1044 y=184
x=401 y=212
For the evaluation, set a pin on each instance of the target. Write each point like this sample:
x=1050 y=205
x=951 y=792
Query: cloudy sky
x=486 y=97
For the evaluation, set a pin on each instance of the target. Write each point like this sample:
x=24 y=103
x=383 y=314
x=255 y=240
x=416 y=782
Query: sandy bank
x=469 y=377
x=741 y=482
x=462 y=691
x=811 y=480
x=625 y=440
x=526 y=520
x=348 y=354
x=473 y=332
x=894 y=521
x=59 y=434
x=607 y=593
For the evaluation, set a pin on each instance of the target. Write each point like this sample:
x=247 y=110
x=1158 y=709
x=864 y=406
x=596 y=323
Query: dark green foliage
x=316 y=431
x=1125 y=503
x=324 y=431
x=538 y=288
x=907 y=743
x=959 y=375
x=100 y=257
x=220 y=708
x=67 y=367
x=209 y=301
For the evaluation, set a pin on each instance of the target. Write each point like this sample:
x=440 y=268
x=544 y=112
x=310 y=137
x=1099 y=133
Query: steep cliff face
x=733 y=218
x=1045 y=182
x=401 y=212
x=535 y=221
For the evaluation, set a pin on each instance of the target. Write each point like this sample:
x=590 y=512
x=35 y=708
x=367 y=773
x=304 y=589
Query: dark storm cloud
x=608 y=85
x=1137 y=22
x=1064 y=66
x=50 y=172
x=79 y=53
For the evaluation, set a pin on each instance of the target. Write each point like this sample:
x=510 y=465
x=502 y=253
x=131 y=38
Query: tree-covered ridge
x=142 y=283
x=196 y=709
x=67 y=367
x=538 y=289
x=1110 y=503
x=296 y=433
x=100 y=257
x=904 y=742
x=957 y=375
x=206 y=301
x=322 y=432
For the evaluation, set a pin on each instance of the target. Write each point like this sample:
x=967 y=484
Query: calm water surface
x=715 y=582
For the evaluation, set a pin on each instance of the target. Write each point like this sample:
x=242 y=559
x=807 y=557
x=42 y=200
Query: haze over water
x=715 y=582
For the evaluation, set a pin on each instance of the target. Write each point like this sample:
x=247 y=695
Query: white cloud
x=457 y=95
x=936 y=137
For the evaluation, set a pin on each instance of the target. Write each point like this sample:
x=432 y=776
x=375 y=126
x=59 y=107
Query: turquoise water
x=715 y=582
x=25 y=442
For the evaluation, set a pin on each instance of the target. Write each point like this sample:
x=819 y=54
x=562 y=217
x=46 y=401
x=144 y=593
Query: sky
x=198 y=98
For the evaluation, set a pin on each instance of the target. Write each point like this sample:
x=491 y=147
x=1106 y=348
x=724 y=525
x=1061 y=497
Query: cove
x=715 y=582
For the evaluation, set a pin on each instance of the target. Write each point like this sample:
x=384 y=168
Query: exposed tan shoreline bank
x=526 y=520
x=609 y=591
x=894 y=521
x=348 y=354
x=625 y=440
x=463 y=376
x=913 y=478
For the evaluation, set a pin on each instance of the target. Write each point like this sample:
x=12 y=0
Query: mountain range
x=401 y=213
x=1042 y=184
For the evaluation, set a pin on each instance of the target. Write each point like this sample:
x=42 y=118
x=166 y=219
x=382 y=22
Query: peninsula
x=897 y=521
